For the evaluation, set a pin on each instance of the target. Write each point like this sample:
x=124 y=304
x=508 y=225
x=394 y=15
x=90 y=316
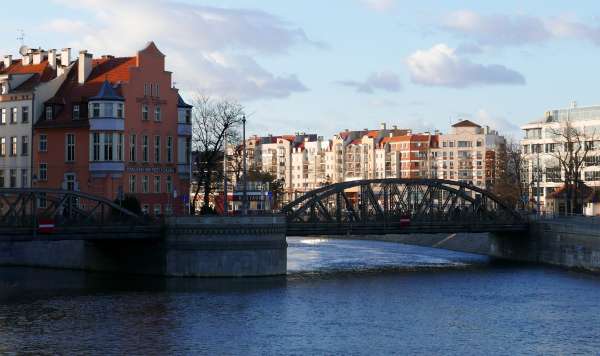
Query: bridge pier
x=185 y=247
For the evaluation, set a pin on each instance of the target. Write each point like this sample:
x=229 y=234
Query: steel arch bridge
x=26 y=207
x=397 y=205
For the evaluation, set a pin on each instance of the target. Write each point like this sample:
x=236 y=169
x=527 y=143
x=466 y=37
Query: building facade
x=543 y=173
x=117 y=127
x=25 y=84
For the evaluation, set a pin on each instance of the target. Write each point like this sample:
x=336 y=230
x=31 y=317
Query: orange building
x=117 y=125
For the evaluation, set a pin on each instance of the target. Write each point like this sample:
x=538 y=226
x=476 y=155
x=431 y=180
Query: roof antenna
x=21 y=36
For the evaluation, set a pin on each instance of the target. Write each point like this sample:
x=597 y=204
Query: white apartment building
x=468 y=154
x=25 y=84
x=540 y=143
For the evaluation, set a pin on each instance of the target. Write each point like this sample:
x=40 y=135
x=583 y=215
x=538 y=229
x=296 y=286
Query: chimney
x=84 y=66
x=65 y=57
x=7 y=61
x=52 y=58
x=383 y=126
x=38 y=56
x=26 y=60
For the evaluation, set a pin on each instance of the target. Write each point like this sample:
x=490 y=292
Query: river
x=339 y=297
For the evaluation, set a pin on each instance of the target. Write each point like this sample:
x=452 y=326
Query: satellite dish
x=23 y=50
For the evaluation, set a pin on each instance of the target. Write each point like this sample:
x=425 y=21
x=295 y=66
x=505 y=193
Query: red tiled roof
x=115 y=70
x=41 y=73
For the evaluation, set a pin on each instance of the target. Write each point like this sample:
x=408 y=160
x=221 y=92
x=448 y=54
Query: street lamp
x=245 y=191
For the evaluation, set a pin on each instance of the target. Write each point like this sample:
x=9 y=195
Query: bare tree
x=509 y=182
x=212 y=120
x=571 y=149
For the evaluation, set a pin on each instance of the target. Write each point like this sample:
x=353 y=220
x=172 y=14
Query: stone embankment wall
x=569 y=242
x=186 y=247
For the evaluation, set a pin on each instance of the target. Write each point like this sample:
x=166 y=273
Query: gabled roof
x=465 y=123
x=107 y=92
x=40 y=73
x=181 y=103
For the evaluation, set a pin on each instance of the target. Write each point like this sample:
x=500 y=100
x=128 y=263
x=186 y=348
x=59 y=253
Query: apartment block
x=25 y=84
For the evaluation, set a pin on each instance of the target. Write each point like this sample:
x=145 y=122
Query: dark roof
x=181 y=103
x=107 y=92
x=465 y=123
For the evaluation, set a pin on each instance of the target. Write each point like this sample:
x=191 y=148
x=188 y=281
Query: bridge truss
x=27 y=207
x=396 y=205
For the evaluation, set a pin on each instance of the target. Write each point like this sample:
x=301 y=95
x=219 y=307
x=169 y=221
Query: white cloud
x=515 y=30
x=379 y=5
x=208 y=48
x=442 y=66
x=386 y=81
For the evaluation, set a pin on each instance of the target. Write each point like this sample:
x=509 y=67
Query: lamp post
x=245 y=191
x=225 y=205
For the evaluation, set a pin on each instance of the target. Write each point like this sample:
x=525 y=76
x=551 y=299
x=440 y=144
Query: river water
x=340 y=297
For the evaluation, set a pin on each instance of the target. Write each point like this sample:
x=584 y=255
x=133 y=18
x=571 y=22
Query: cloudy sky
x=323 y=66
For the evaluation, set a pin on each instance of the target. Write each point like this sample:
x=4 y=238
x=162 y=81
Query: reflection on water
x=341 y=297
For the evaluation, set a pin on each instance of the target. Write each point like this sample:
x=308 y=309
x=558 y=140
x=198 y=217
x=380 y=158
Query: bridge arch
x=24 y=207
x=393 y=203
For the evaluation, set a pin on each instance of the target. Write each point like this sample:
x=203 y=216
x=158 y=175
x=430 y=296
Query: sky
x=325 y=66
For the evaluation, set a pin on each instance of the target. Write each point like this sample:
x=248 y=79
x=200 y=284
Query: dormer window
x=76 y=112
x=108 y=110
x=48 y=112
x=188 y=116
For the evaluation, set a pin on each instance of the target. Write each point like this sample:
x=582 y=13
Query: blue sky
x=323 y=66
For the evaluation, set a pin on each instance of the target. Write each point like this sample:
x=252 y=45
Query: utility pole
x=245 y=192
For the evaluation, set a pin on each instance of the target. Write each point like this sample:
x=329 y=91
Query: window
x=132 y=184
x=145 y=89
x=156 y=89
x=3 y=117
x=188 y=116
x=157 y=113
x=144 y=184
x=157 y=209
x=42 y=202
x=95 y=110
x=24 y=178
x=75 y=111
x=43 y=171
x=43 y=146
x=24 y=145
x=12 y=178
x=95 y=146
x=169 y=184
x=145 y=148
x=120 y=147
x=13 y=115
x=120 y=110
x=13 y=146
x=2 y=146
x=132 y=153
x=188 y=149
x=169 y=149
x=70 y=181
x=145 y=209
x=145 y=112
x=24 y=114
x=48 y=112
x=108 y=147
x=157 y=149
x=108 y=110
x=1 y=178
x=157 y=184
x=70 y=148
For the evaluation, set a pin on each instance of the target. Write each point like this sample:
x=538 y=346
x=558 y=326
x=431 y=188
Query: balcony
x=184 y=129
x=106 y=124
